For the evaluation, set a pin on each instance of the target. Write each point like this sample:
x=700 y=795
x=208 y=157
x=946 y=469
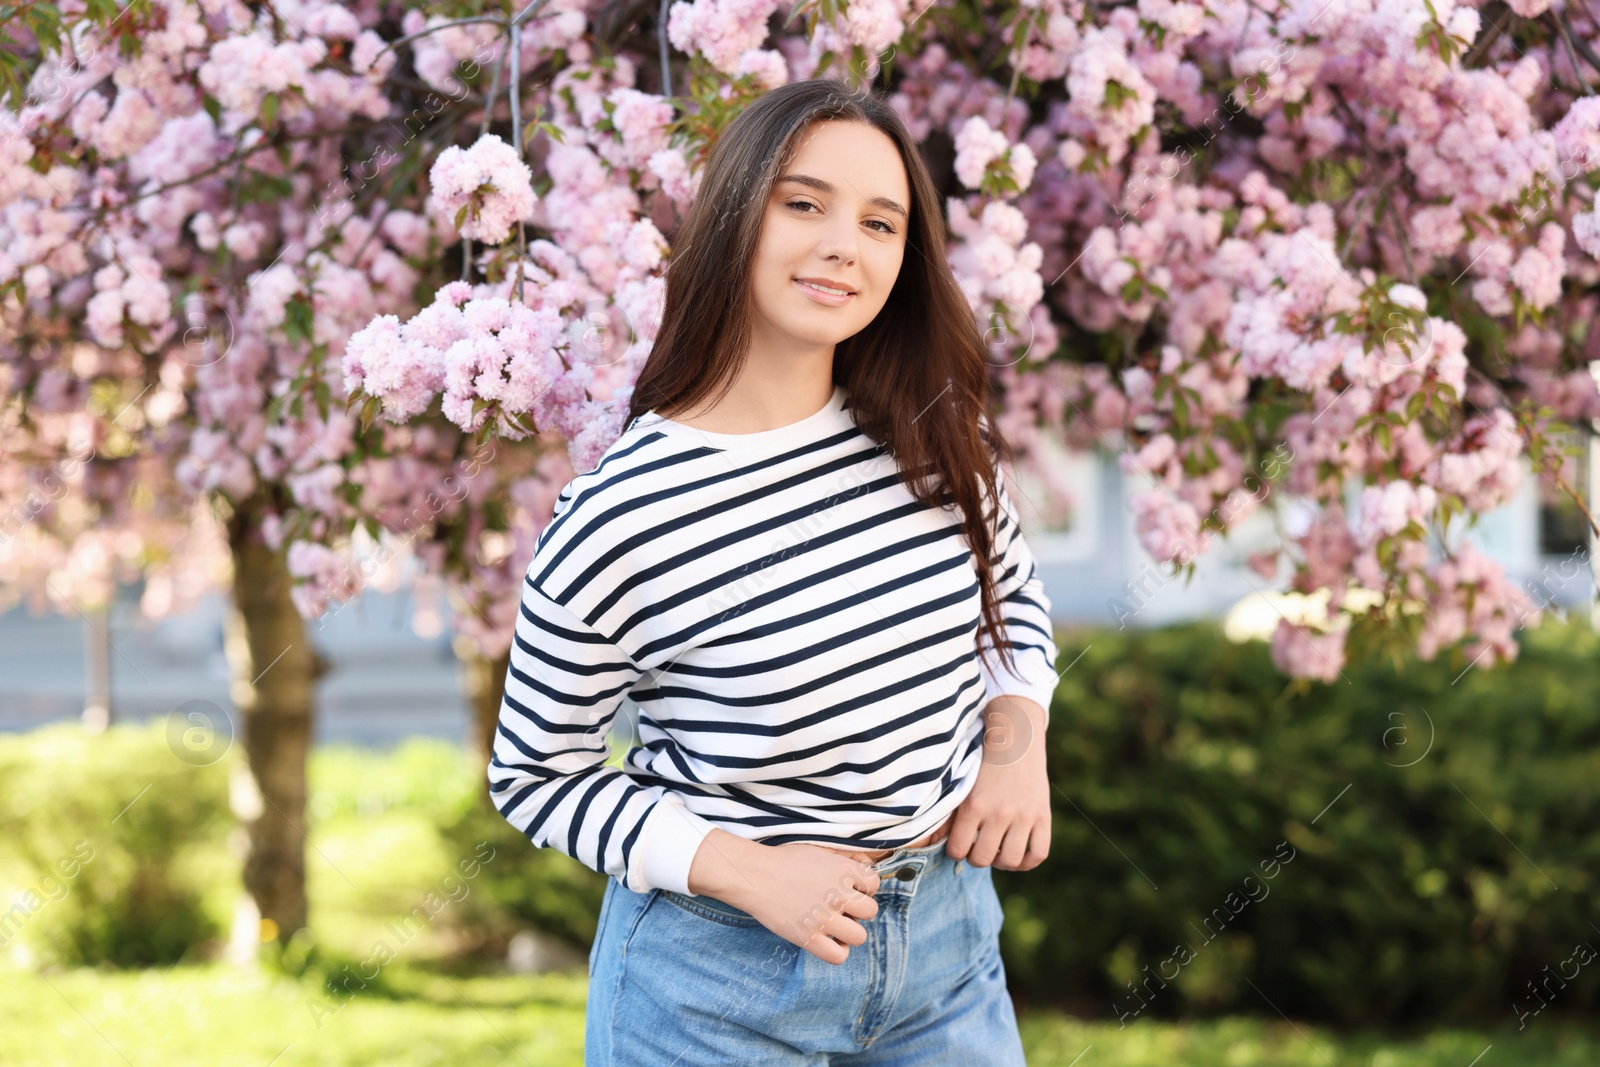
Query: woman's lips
x=830 y=299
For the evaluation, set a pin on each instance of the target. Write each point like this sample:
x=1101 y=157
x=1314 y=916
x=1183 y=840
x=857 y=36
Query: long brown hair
x=917 y=375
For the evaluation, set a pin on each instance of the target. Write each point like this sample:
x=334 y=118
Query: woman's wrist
x=720 y=864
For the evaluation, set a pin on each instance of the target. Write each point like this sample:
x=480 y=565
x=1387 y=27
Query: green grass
x=376 y=855
x=213 y=1016
x=1054 y=1041
x=217 y=1017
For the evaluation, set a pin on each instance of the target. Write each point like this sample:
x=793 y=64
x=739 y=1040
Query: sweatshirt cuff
x=668 y=841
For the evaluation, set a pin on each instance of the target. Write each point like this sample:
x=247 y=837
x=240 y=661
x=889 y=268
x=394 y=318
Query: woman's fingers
x=845 y=894
x=843 y=928
x=841 y=932
x=861 y=906
x=833 y=942
x=827 y=949
x=867 y=879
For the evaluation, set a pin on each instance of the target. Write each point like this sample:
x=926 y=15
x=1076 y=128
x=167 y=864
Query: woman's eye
x=806 y=203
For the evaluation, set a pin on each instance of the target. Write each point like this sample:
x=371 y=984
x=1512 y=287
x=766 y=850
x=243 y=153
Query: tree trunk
x=97 y=713
x=273 y=670
x=483 y=680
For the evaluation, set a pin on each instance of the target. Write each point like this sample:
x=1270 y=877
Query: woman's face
x=838 y=213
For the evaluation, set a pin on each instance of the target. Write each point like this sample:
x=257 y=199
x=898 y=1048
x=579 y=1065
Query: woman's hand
x=808 y=895
x=1005 y=820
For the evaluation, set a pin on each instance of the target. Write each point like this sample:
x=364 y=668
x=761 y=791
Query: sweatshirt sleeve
x=1026 y=613
x=548 y=776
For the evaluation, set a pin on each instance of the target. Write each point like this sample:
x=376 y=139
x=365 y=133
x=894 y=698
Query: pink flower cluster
x=1229 y=334
x=494 y=364
x=1471 y=598
x=995 y=264
x=721 y=31
x=489 y=181
x=978 y=146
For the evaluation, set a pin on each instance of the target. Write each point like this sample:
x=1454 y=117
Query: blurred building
x=389 y=683
x=1097 y=572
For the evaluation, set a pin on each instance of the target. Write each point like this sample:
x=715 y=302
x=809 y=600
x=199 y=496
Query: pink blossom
x=1586 y=231
x=640 y=120
x=131 y=124
x=489 y=181
x=1387 y=509
x=720 y=30
x=1300 y=652
x=1538 y=271
x=769 y=67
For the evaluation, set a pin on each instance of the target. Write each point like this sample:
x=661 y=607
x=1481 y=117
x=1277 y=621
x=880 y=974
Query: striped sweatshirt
x=798 y=632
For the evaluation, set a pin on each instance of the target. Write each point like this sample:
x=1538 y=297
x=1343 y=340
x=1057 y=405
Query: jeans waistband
x=903 y=869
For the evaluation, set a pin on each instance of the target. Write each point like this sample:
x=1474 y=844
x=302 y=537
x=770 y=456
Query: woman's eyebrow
x=827 y=187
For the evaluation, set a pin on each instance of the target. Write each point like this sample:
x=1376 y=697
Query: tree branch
x=1388 y=201
x=1480 y=47
x=398 y=41
x=263 y=145
x=1572 y=52
x=1578 y=43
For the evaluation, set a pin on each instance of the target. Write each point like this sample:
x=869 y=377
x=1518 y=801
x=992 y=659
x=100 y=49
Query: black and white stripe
x=799 y=633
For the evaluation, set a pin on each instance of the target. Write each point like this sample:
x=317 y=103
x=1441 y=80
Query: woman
x=803 y=624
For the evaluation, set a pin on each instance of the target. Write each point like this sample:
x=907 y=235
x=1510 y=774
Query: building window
x=1059 y=496
x=1563 y=530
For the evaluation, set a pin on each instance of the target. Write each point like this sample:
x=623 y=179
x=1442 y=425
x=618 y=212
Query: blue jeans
x=694 y=982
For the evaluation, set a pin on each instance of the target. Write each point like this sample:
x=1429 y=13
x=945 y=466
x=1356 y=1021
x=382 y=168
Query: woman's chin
x=829 y=325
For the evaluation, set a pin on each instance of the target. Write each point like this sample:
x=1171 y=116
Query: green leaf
x=1439 y=408
x=258 y=188
x=297 y=319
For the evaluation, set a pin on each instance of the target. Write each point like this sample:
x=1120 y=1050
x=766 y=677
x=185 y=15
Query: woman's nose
x=840 y=241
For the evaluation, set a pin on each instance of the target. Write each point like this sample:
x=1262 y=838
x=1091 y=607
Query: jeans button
x=905 y=874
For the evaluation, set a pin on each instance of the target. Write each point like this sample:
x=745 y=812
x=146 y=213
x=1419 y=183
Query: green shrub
x=384 y=871
x=508 y=884
x=521 y=885
x=426 y=775
x=109 y=844
x=1435 y=832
